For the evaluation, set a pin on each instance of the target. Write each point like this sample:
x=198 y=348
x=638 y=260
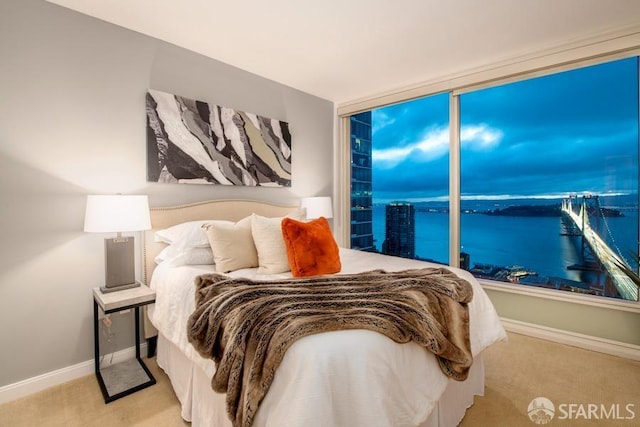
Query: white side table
x=129 y=376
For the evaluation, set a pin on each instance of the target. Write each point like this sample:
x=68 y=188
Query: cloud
x=480 y=137
x=380 y=120
x=434 y=143
x=570 y=132
x=404 y=124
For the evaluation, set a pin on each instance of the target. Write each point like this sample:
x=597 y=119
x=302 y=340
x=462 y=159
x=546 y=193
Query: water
x=534 y=243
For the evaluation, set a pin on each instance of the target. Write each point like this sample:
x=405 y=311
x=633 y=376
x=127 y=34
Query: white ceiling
x=343 y=50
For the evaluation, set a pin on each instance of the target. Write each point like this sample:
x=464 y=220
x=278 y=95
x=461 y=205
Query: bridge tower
x=587 y=221
x=585 y=209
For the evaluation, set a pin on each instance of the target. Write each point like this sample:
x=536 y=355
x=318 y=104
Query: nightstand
x=129 y=376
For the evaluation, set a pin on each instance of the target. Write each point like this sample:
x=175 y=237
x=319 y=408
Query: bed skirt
x=205 y=408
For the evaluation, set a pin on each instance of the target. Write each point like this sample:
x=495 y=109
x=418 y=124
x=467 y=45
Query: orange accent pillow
x=311 y=248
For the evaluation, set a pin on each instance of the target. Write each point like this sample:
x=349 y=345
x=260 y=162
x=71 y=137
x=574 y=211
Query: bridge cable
x=613 y=241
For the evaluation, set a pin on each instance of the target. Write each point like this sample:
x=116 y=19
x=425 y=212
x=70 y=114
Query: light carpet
x=517 y=371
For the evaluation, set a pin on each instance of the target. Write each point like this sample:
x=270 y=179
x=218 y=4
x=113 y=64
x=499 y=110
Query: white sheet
x=354 y=377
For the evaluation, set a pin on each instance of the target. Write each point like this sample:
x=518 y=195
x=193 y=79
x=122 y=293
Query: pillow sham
x=267 y=237
x=311 y=248
x=188 y=234
x=232 y=244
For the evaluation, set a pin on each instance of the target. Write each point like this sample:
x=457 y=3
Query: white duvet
x=343 y=378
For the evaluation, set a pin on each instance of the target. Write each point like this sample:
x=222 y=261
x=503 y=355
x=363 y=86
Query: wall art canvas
x=196 y=142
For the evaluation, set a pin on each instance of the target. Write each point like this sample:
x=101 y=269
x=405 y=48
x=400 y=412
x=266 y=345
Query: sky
x=571 y=132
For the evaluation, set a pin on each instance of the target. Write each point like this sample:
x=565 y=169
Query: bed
x=340 y=378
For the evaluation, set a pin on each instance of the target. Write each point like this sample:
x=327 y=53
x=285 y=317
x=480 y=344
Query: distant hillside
x=621 y=203
x=542 y=210
x=527 y=210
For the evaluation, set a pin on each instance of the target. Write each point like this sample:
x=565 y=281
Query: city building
x=400 y=231
x=361 y=187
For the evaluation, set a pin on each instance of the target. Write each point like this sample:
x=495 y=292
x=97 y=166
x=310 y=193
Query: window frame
x=606 y=48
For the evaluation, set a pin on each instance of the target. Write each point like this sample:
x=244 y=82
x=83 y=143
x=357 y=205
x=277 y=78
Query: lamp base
x=119 y=261
x=107 y=289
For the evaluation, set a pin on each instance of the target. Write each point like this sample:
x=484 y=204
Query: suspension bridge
x=575 y=216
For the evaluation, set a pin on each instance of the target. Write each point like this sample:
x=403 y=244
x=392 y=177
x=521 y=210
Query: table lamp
x=118 y=214
x=317 y=207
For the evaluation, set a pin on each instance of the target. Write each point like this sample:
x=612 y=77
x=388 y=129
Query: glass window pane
x=400 y=179
x=528 y=146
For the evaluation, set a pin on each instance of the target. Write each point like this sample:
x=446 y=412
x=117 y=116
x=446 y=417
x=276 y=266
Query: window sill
x=564 y=296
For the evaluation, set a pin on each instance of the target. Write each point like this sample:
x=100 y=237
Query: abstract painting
x=196 y=142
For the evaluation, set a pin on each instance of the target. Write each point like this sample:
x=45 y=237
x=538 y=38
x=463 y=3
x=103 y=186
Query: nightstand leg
x=96 y=338
x=137 y=320
x=152 y=344
x=96 y=349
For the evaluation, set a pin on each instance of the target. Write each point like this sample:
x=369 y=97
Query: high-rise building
x=361 y=184
x=465 y=261
x=400 y=232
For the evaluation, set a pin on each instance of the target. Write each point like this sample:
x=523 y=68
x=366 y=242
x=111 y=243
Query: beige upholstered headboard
x=230 y=210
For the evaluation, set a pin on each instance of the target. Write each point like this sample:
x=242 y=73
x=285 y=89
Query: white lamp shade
x=117 y=213
x=317 y=207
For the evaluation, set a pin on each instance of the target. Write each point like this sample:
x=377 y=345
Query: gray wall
x=72 y=123
x=604 y=322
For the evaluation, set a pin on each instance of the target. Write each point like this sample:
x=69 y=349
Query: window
x=534 y=150
x=400 y=169
x=532 y=154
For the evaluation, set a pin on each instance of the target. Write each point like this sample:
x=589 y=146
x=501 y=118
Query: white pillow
x=232 y=244
x=163 y=255
x=267 y=237
x=187 y=234
x=176 y=256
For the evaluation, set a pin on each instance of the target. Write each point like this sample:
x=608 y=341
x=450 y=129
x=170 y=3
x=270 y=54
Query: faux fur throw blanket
x=246 y=326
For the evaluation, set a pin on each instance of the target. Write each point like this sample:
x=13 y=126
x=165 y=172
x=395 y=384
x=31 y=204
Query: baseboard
x=588 y=342
x=41 y=382
x=33 y=385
